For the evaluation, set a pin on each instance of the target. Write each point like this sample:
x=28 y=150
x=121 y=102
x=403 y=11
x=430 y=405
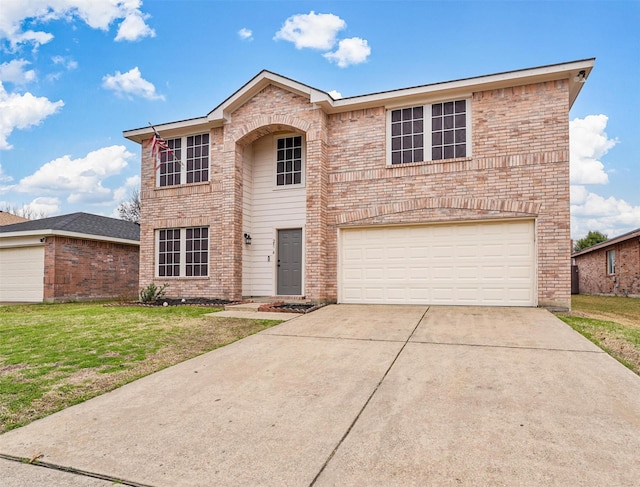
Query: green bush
x=152 y=292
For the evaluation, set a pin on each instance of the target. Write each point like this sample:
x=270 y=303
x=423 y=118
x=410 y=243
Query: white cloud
x=44 y=206
x=4 y=178
x=14 y=72
x=588 y=143
x=131 y=84
x=122 y=193
x=133 y=27
x=315 y=31
x=336 y=95
x=350 y=51
x=67 y=62
x=81 y=180
x=245 y=34
x=98 y=14
x=590 y=211
x=21 y=111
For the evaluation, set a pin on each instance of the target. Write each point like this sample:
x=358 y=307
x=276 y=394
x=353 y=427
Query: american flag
x=158 y=145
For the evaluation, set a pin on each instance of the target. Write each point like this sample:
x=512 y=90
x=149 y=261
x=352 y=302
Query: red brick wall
x=519 y=167
x=592 y=270
x=85 y=270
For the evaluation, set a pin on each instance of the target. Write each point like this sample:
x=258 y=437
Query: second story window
x=289 y=161
x=186 y=161
x=429 y=132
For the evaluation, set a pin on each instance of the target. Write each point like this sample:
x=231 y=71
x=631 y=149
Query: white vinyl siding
x=22 y=274
x=267 y=208
x=486 y=264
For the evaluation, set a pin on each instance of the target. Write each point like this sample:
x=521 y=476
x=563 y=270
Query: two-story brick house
x=448 y=193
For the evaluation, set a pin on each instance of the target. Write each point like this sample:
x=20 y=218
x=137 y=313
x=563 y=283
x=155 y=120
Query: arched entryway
x=273 y=162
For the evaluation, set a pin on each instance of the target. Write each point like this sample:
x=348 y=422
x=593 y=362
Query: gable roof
x=576 y=72
x=77 y=225
x=7 y=218
x=612 y=241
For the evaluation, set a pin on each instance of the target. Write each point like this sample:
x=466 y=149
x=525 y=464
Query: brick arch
x=458 y=203
x=268 y=124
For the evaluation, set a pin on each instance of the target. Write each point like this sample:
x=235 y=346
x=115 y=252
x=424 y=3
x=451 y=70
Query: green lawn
x=611 y=322
x=56 y=355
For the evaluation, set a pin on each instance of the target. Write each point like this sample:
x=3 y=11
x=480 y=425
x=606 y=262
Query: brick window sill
x=182 y=278
x=180 y=186
x=429 y=163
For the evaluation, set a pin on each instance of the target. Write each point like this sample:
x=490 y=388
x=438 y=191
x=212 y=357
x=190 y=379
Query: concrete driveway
x=358 y=395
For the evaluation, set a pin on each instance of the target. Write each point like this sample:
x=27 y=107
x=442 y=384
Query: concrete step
x=243 y=307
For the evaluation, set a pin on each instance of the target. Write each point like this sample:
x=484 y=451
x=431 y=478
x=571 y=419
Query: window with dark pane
x=170 y=168
x=289 y=160
x=197 y=252
x=169 y=252
x=197 y=158
x=449 y=130
x=407 y=135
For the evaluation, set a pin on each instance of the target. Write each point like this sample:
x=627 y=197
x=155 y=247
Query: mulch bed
x=282 y=307
x=277 y=307
x=214 y=303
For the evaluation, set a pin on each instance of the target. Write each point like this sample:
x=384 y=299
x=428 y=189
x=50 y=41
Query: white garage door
x=487 y=264
x=21 y=274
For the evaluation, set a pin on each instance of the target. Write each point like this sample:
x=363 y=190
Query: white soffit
x=460 y=88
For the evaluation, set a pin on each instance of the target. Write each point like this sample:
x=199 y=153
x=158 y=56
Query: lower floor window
x=183 y=252
x=611 y=262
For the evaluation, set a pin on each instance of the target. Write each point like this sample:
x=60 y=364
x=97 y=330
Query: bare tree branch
x=25 y=211
x=129 y=210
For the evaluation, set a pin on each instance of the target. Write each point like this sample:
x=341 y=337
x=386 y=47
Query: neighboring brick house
x=448 y=193
x=611 y=267
x=75 y=257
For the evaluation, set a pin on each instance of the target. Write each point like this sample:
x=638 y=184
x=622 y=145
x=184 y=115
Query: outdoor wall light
x=581 y=77
x=247 y=239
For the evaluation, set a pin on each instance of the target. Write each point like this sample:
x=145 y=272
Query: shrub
x=152 y=292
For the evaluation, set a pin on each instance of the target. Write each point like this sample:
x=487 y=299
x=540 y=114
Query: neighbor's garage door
x=21 y=274
x=488 y=264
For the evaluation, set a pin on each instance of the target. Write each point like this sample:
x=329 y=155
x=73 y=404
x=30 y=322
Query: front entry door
x=290 y=262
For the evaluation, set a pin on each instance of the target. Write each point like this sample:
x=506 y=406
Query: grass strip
x=55 y=355
x=619 y=341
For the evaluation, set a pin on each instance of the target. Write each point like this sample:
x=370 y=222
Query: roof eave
x=176 y=128
x=64 y=233
x=222 y=112
x=465 y=87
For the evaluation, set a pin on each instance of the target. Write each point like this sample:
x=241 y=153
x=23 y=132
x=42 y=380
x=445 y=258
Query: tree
x=129 y=210
x=590 y=240
x=25 y=211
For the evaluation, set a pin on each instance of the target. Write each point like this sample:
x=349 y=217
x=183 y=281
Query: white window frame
x=427 y=130
x=611 y=262
x=302 y=182
x=183 y=253
x=183 y=162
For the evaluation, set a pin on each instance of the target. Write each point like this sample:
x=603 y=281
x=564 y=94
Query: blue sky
x=75 y=74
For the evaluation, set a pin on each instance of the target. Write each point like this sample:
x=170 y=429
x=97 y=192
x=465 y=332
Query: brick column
x=317 y=280
x=230 y=252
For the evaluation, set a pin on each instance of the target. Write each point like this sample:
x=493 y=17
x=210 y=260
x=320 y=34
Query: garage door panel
x=475 y=263
x=22 y=274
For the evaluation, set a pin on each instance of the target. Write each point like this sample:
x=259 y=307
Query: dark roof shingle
x=80 y=223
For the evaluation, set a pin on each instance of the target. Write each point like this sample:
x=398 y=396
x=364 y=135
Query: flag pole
x=157 y=136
